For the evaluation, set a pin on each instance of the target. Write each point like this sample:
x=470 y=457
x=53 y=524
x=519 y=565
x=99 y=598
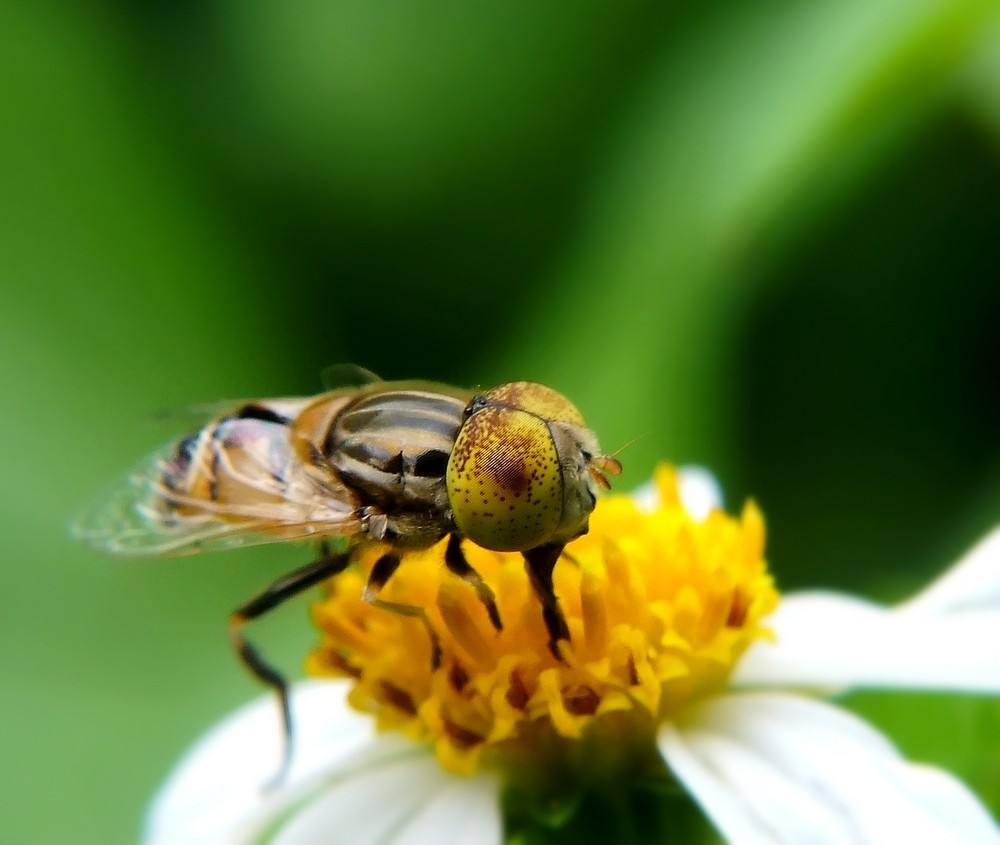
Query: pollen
x=660 y=607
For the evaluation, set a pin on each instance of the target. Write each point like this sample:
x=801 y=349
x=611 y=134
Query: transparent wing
x=335 y=376
x=199 y=413
x=239 y=491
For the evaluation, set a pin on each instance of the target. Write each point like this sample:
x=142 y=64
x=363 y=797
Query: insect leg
x=284 y=588
x=381 y=572
x=455 y=560
x=539 y=563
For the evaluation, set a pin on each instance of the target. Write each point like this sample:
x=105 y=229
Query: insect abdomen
x=240 y=460
x=393 y=447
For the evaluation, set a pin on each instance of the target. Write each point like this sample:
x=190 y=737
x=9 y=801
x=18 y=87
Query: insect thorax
x=392 y=448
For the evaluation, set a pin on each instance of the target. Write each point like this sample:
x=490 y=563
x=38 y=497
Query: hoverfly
x=402 y=464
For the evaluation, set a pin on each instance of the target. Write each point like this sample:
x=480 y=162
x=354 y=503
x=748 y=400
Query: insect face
x=520 y=474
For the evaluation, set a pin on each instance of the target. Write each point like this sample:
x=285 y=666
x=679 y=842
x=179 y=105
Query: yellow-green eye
x=536 y=399
x=504 y=481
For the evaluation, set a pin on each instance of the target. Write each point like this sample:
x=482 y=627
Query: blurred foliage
x=757 y=235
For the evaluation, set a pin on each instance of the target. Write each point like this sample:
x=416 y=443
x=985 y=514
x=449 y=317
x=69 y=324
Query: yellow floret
x=659 y=607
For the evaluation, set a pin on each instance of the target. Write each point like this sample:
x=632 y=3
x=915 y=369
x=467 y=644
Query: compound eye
x=504 y=481
x=537 y=399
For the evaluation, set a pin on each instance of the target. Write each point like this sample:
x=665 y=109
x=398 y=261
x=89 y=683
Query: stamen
x=581 y=700
x=594 y=613
x=633 y=673
x=331 y=658
x=517 y=694
x=457 y=677
x=462 y=737
x=738 y=609
x=462 y=626
x=398 y=698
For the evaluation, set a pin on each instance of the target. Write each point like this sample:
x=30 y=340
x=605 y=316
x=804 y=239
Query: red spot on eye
x=508 y=471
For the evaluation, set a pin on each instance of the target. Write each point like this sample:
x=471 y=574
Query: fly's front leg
x=375 y=523
x=539 y=563
x=381 y=572
x=455 y=560
x=281 y=590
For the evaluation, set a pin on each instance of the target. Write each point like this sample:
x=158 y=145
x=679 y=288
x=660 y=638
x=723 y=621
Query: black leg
x=539 y=562
x=381 y=572
x=454 y=559
x=284 y=588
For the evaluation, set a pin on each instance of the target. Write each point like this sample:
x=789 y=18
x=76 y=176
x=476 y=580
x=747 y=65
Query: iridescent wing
x=236 y=482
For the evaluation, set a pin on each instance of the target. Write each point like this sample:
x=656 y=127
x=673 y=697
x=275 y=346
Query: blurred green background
x=761 y=236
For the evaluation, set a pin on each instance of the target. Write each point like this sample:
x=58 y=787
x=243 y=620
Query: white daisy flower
x=679 y=645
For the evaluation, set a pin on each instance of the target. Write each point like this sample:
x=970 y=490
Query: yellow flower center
x=659 y=606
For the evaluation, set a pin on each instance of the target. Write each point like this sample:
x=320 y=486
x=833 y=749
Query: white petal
x=941 y=639
x=699 y=491
x=972 y=583
x=407 y=802
x=829 y=640
x=776 y=768
x=723 y=804
x=217 y=794
x=467 y=812
x=805 y=818
x=951 y=802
